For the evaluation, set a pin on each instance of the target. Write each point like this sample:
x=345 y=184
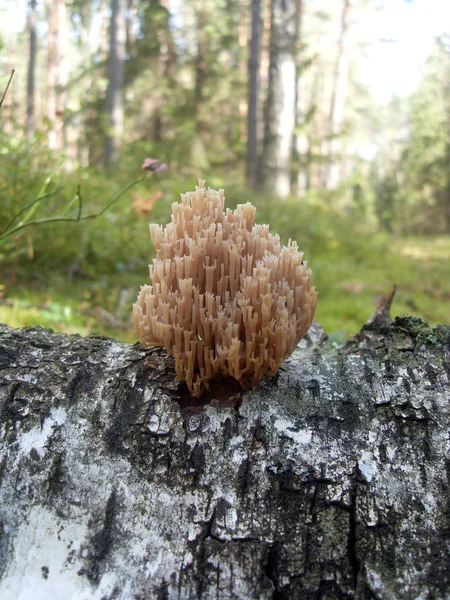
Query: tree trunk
x=329 y=480
x=31 y=76
x=9 y=107
x=337 y=105
x=52 y=69
x=82 y=147
x=57 y=73
x=201 y=66
x=299 y=141
x=166 y=72
x=103 y=42
x=253 y=95
x=114 y=98
x=62 y=75
x=279 y=119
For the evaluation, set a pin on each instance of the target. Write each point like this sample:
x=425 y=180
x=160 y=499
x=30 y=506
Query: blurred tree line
x=411 y=174
x=263 y=93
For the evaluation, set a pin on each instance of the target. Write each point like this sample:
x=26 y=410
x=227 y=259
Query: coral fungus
x=226 y=297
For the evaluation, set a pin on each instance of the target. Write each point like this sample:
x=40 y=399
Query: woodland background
x=267 y=98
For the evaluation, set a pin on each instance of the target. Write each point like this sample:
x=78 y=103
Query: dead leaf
x=143 y=206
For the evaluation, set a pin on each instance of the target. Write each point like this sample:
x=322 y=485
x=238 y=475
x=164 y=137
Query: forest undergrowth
x=83 y=277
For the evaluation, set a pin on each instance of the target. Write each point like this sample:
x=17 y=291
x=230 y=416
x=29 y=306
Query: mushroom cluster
x=226 y=297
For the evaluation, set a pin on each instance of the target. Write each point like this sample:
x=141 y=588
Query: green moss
x=421 y=331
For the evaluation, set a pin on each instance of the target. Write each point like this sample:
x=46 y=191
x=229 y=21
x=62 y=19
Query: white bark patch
x=368 y=466
x=46 y=555
x=284 y=427
x=38 y=436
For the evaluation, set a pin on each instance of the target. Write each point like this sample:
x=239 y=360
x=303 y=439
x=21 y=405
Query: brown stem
x=7 y=86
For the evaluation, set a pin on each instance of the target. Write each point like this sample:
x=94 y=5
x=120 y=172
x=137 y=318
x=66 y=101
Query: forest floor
x=349 y=285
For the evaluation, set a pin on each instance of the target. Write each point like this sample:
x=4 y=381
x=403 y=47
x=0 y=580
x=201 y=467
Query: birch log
x=330 y=480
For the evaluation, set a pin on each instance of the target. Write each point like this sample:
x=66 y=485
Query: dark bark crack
x=352 y=547
x=101 y=542
x=202 y=555
x=272 y=570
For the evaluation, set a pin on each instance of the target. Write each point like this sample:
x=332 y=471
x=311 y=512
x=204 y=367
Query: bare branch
x=7 y=86
x=8 y=231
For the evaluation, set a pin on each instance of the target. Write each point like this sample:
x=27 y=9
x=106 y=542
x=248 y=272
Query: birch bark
x=329 y=480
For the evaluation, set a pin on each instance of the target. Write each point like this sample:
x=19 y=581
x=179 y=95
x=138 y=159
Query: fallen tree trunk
x=330 y=480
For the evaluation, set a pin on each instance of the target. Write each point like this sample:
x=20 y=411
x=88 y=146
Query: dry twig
x=7 y=86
